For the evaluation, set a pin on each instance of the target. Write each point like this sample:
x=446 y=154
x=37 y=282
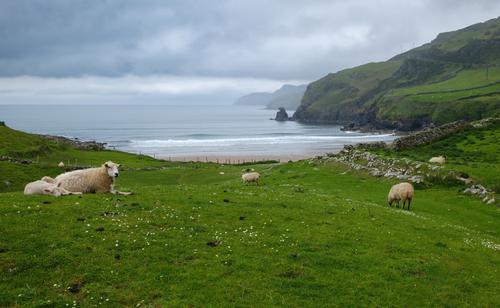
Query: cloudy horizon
x=83 y=52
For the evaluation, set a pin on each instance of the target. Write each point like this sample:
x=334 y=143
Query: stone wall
x=429 y=135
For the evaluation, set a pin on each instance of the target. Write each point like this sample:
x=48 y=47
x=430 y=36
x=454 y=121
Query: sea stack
x=281 y=115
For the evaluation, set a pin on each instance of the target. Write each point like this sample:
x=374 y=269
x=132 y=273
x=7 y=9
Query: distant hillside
x=456 y=76
x=257 y=98
x=288 y=96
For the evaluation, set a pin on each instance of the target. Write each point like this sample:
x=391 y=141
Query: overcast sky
x=111 y=51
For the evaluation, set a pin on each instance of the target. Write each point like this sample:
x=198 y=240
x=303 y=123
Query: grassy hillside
x=456 y=76
x=338 y=94
x=288 y=96
x=314 y=233
x=474 y=151
x=46 y=154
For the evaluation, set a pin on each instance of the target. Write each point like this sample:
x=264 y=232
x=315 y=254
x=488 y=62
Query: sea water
x=178 y=131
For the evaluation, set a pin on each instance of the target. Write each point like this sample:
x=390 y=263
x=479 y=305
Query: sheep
x=91 y=180
x=401 y=192
x=60 y=165
x=44 y=188
x=438 y=160
x=251 y=177
x=48 y=179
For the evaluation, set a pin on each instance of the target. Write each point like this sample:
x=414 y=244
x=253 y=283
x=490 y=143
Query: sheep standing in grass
x=251 y=177
x=92 y=180
x=45 y=188
x=401 y=192
x=438 y=160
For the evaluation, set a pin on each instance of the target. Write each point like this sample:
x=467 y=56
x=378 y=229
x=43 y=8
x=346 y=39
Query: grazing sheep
x=44 y=188
x=92 y=180
x=438 y=160
x=61 y=165
x=401 y=192
x=251 y=177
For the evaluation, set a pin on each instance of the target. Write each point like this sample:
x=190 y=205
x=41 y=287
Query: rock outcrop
x=76 y=143
x=282 y=115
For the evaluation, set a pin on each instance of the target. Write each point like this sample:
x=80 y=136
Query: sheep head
x=112 y=169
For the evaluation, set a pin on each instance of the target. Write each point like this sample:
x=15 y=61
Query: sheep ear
x=118 y=165
x=106 y=165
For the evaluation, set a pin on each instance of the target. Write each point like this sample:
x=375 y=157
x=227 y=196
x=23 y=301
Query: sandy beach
x=239 y=159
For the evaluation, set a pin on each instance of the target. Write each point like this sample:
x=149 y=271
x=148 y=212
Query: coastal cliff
x=454 y=77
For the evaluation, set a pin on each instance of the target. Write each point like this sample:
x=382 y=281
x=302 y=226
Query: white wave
x=253 y=140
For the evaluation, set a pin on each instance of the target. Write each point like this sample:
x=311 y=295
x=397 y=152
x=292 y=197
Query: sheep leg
x=409 y=202
x=69 y=193
x=123 y=193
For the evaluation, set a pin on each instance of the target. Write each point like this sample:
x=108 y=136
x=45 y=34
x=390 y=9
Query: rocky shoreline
x=77 y=143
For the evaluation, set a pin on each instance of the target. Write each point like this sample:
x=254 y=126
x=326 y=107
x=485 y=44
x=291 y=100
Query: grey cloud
x=261 y=39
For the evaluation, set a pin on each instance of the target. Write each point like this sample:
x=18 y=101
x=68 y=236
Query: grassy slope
x=313 y=234
x=344 y=88
x=468 y=95
x=309 y=238
x=439 y=67
x=47 y=154
x=474 y=151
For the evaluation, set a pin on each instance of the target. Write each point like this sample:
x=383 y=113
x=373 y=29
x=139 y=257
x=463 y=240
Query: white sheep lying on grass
x=41 y=187
x=438 y=160
x=401 y=192
x=92 y=180
x=251 y=177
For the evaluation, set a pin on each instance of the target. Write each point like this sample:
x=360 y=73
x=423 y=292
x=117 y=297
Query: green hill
x=27 y=157
x=288 y=96
x=456 y=76
x=314 y=233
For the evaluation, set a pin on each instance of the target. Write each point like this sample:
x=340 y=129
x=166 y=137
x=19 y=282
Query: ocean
x=185 y=131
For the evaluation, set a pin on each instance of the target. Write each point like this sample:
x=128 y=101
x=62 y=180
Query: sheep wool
x=92 y=180
x=438 y=160
x=251 y=177
x=44 y=188
x=401 y=192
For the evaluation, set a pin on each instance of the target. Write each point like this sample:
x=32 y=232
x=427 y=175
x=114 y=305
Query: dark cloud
x=261 y=39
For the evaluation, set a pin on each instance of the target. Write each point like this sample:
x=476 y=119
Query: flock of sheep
x=91 y=180
x=102 y=180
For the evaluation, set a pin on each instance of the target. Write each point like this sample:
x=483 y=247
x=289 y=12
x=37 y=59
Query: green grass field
x=465 y=79
x=312 y=234
x=474 y=151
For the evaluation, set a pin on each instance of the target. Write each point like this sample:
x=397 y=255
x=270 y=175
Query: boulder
x=281 y=115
